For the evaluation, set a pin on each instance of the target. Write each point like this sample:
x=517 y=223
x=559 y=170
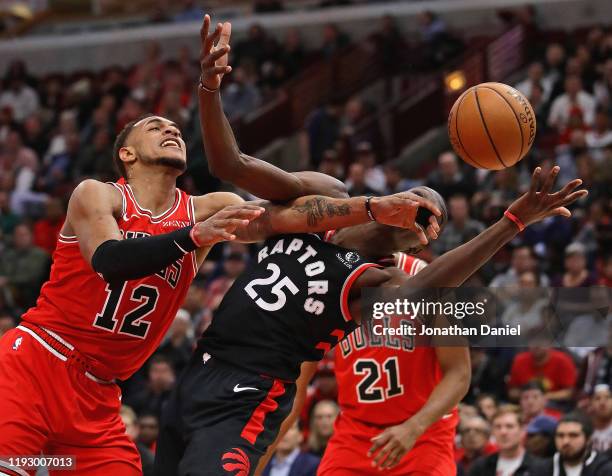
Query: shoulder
x=92 y=191
x=211 y=203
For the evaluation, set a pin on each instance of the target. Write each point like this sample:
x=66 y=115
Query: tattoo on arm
x=317 y=208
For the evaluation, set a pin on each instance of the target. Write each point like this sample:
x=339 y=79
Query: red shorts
x=49 y=404
x=346 y=453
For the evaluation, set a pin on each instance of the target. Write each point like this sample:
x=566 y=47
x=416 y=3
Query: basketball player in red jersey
x=387 y=382
x=126 y=256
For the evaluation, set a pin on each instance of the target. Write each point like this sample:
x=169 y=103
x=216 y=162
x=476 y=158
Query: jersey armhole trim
x=348 y=284
x=191 y=216
x=123 y=200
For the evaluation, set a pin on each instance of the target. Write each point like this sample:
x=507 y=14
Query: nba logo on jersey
x=17 y=343
x=348 y=259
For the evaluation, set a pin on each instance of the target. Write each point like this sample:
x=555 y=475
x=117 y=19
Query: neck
x=154 y=191
x=602 y=422
x=511 y=453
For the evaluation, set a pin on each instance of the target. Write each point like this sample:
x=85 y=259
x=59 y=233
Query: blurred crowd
x=523 y=403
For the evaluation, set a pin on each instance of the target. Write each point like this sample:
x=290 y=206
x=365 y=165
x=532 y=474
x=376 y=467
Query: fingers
x=212 y=39
x=381 y=458
x=226 y=33
x=423 y=202
x=393 y=459
x=217 y=70
x=379 y=440
x=550 y=180
x=420 y=234
x=212 y=58
x=568 y=188
x=535 y=180
x=433 y=229
x=562 y=211
x=230 y=224
x=204 y=29
x=572 y=197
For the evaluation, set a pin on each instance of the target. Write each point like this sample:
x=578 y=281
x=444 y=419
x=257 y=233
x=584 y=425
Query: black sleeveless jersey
x=289 y=307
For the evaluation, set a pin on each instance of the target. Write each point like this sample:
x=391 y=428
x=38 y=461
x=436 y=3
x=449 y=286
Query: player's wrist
x=202 y=87
x=512 y=217
x=370 y=203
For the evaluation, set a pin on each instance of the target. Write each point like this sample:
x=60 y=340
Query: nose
x=171 y=130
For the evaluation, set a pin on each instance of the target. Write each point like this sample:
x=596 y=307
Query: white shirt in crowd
x=23 y=103
x=572 y=470
x=507 y=466
x=602 y=439
x=560 y=110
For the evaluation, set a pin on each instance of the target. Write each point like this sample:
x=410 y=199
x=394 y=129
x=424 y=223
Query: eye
x=156 y=128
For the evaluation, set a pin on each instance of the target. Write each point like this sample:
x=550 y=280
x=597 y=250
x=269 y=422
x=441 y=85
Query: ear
x=127 y=154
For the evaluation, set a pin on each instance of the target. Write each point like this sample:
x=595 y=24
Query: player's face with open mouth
x=160 y=142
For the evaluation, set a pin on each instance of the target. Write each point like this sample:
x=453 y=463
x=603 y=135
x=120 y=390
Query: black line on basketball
x=487 y=129
x=459 y=135
x=515 y=115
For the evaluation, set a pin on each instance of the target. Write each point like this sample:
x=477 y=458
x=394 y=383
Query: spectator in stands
x=23 y=268
x=487 y=405
x=512 y=459
x=600 y=137
x=149 y=430
x=389 y=44
x=189 y=12
x=474 y=435
x=374 y=175
x=7 y=322
x=601 y=412
x=267 y=6
x=233 y=264
x=448 y=179
x=8 y=220
x=323 y=387
x=289 y=460
x=523 y=260
x=19 y=97
x=574 y=99
x=540 y=440
x=395 y=182
x=539 y=105
x=93 y=159
x=334 y=40
x=596 y=370
x=574 y=456
x=460 y=229
x=576 y=273
x=603 y=87
x=292 y=56
x=487 y=372
x=256 y=49
x=322 y=420
x=47 y=229
x=553 y=368
x=321 y=130
x=34 y=135
x=161 y=378
x=330 y=165
x=241 y=96
x=533 y=402
x=535 y=78
x=356 y=181
x=179 y=341
x=605 y=279
x=130 y=420
x=526 y=307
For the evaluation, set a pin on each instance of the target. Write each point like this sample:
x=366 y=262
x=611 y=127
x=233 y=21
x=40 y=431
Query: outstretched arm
x=453 y=268
x=225 y=160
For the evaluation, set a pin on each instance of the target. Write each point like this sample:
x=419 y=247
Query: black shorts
x=220 y=420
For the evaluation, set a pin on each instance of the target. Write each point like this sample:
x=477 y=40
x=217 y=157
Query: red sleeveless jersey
x=119 y=327
x=384 y=380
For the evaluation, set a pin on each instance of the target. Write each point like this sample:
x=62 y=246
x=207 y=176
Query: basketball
x=492 y=126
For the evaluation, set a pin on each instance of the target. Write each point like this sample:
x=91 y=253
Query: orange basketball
x=492 y=126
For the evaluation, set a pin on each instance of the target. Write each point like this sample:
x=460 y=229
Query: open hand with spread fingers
x=401 y=210
x=214 y=52
x=222 y=225
x=539 y=202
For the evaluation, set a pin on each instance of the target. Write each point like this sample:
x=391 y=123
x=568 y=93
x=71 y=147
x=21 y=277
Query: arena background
x=356 y=89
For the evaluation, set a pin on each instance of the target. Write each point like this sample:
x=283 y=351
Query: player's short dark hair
x=120 y=142
x=582 y=420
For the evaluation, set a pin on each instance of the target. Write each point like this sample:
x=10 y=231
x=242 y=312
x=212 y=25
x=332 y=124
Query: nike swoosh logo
x=238 y=388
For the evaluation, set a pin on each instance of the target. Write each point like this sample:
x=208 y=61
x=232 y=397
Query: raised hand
x=214 y=51
x=401 y=210
x=539 y=203
x=222 y=225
